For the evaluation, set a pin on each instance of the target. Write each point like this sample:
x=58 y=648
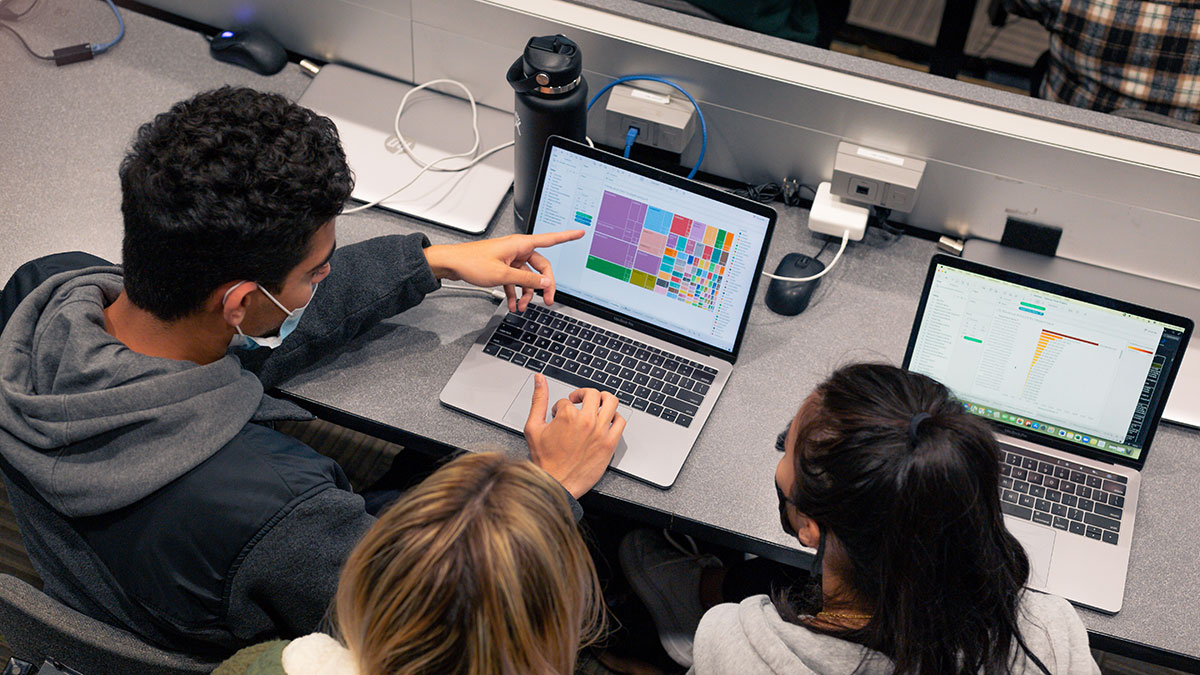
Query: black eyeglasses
x=781 y=440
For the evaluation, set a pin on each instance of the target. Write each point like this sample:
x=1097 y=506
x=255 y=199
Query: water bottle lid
x=551 y=64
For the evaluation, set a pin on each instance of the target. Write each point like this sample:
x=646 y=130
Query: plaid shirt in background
x=1109 y=54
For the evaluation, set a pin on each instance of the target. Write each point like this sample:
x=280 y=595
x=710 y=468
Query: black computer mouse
x=791 y=297
x=251 y=49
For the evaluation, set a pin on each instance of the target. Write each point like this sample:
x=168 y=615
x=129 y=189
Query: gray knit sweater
x=751 y=639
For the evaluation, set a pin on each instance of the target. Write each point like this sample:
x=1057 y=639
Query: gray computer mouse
x=251 y=49
x=791 y=297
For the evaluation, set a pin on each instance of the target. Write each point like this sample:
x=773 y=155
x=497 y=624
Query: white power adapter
x=830 y=215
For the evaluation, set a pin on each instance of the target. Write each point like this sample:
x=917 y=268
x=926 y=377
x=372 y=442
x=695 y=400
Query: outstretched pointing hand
x=507 y=261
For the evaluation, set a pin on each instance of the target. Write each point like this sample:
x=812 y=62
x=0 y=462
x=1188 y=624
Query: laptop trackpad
x=1038 y=543
x=518 y=411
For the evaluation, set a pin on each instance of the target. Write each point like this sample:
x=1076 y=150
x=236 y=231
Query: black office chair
x=30 y=275
x=39 y=628
x=831 y=16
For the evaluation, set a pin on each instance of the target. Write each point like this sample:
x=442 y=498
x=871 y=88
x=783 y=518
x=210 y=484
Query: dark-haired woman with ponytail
x=897 y=489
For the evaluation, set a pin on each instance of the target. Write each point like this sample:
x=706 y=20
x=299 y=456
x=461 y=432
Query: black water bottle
x=551 y=100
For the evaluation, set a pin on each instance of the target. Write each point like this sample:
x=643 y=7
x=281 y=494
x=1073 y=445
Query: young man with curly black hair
x=135 y=438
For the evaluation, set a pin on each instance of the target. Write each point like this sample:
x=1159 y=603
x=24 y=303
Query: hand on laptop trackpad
x=518 y=410
x=1038 y=543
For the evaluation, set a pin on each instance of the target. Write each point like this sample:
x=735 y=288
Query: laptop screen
x=1022 y=355
x=660 y=252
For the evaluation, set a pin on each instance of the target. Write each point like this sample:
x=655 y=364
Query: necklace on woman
x=844 y=615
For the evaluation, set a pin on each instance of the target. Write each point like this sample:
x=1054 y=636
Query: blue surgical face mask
x=243 y=341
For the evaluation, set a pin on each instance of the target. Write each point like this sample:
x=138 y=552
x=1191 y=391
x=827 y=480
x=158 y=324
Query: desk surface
x=66 y=130
x=862 y=311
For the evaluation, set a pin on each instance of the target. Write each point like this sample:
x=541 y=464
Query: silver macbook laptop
x=1074 y=384
x=363 y=106
x=651 y=305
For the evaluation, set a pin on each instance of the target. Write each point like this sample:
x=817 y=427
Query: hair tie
x=915 y=424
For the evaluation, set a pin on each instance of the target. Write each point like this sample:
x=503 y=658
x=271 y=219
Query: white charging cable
x=407 y=147
x=818 y=275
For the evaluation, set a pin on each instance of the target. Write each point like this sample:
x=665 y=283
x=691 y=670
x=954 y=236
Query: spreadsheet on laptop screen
x=1048 y=363
x=652 y=251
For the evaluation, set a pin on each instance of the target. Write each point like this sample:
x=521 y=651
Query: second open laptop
x=651 y=305
x=1074 y=384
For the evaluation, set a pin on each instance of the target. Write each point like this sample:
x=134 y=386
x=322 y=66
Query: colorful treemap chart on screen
x=659 y=251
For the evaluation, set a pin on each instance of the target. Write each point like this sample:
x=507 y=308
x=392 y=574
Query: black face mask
x=784 y=521
x=780 y=445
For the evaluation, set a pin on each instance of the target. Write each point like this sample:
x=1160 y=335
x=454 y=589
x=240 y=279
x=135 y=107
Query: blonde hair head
x=479 y=569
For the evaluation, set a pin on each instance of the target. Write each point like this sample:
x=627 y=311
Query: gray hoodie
x=751 y=639
x=93 y=425
x=151 y=493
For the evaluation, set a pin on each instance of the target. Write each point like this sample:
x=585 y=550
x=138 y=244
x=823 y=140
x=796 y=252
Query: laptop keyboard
x=583 y=355
x=1061 y=494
